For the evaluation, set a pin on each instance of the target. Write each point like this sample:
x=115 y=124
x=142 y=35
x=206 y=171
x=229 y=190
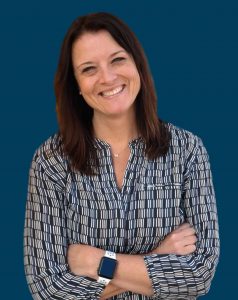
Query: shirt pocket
x=155 y=211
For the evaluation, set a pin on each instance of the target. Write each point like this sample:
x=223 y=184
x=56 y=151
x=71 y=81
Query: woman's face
x=106 y=74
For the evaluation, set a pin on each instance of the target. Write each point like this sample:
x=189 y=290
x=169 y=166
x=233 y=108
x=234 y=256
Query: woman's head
x=74 y=114
x=106 y=75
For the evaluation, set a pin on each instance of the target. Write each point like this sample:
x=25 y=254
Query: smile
x=113 y=92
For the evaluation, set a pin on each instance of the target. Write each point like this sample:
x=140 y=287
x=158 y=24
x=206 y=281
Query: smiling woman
x=120 y=205
x=97 y=57
x=106 y=75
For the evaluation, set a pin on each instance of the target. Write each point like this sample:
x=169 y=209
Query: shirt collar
x=100 y=144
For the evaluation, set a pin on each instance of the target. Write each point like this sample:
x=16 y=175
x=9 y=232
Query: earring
x=80 y=93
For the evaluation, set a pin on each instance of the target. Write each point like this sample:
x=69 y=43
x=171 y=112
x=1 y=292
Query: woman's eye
x=88 y=69
x=118 y=59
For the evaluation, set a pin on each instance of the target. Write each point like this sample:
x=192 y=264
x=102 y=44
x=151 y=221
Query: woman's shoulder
x=183 y=138
x=49 y=163
x=50 y=152
x=178 y=133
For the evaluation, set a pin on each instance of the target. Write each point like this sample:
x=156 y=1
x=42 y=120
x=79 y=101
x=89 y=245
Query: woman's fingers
x=189 y=249
x=186 y=229
x=180 y=241
x=183 y=226
x=189 y=240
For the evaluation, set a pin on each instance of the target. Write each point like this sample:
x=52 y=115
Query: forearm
x=130 y=275
x=131 y=272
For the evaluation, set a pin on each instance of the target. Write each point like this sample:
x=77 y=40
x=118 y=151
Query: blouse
x=65 y=207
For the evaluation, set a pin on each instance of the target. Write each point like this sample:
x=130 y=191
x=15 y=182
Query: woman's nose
x=107 y=75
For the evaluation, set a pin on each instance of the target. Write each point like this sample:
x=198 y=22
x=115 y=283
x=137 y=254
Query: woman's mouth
x=112 y=92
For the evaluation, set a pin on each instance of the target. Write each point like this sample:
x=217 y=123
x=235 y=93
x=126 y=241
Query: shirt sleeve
x=191 y=275
x=45 y=237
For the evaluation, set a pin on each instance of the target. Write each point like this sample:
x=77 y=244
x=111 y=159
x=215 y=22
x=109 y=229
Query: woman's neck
x=115 y=131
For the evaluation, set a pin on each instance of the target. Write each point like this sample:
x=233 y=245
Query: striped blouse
x=65 y=207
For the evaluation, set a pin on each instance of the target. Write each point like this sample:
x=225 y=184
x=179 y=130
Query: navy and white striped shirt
x=66 y=207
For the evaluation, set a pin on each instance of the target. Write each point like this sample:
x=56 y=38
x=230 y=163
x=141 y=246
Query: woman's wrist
x=94 y=261
x=84 y=260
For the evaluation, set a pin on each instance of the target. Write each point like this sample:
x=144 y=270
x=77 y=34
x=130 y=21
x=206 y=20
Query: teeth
x=112 y=92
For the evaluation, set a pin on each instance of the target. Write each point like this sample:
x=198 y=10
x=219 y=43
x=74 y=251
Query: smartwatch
x=107 y=267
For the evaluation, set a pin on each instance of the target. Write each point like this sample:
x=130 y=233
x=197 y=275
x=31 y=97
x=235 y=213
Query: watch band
x=110 y=254
x=103 y=280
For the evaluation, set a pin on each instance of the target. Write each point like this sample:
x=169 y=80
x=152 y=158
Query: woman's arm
x=131 y=274
x=45 y=236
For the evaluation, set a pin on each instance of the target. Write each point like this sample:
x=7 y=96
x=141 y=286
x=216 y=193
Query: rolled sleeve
x=191 y=275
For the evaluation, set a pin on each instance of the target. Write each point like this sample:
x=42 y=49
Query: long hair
x=74 y=114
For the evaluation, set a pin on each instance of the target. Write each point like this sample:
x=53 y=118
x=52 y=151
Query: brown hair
x=75 y=116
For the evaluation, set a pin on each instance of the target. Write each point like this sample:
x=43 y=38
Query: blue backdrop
x=192 y=49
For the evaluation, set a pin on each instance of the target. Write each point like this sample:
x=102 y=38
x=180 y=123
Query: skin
x=103 y=67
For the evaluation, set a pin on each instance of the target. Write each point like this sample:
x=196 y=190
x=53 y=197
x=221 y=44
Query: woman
x=120 y=204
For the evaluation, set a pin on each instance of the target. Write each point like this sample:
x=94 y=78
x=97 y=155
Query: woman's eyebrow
x=115 y=53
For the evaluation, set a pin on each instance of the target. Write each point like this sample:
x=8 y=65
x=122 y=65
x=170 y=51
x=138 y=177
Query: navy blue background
x=192 y=49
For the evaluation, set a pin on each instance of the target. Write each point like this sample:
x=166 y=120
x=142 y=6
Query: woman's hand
x=181 y=241
x=110 y=291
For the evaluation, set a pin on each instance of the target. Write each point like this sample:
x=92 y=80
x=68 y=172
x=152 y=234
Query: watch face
x=107 y=267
